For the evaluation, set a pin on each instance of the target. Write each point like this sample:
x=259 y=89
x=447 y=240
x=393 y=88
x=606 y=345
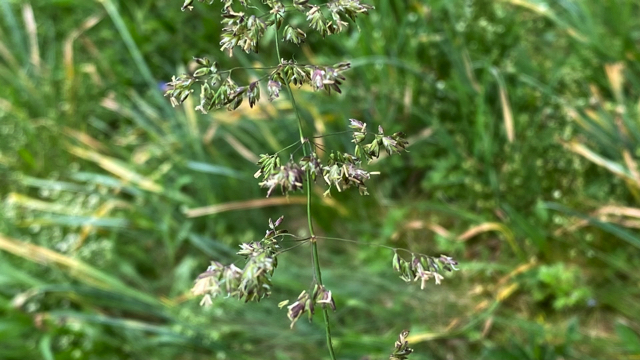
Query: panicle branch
x=253 y=282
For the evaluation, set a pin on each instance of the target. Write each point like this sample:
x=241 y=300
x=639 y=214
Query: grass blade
x=617 y=231
x=138 y=59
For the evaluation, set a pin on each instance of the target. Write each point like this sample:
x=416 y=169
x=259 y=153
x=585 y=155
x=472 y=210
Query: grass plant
x=521 y=165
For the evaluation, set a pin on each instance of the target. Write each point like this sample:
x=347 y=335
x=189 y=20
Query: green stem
x=325 y=311
x=288 y=147
x=295 y=107
x=314 y=243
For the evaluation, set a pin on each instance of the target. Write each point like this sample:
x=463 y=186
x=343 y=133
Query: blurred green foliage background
x=524 y=123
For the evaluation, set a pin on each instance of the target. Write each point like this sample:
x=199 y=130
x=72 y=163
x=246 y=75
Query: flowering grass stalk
x=314 y=243
x=340 y=171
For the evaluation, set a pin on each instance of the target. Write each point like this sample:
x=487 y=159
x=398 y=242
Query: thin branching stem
x=258 y=68
x=288 y=147
x=395 y=249
x=352 y=241
x=248 y=68
x=296 y=150
x=314 y=244
x=318 y=146
x=290 y=248
x=333 y=134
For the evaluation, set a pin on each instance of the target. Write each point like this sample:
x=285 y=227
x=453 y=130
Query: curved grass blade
x=617 y=231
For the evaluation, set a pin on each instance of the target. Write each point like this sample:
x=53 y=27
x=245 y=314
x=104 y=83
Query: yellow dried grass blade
x=102 y=211
x=614 y=75
x=76 y=268
x=243 y=205
x=632 y=165
x=31 y=29
x=517 y=271
x=113 y=166
x=67 y=49
x=85 y=139
x=612 y=166
x=544 y=10
x=191 y=117
x=619 y=211
x=92 y=71
x=263 y=110
x=492 y=226
x=331 y=202
x=506 y=291
x=111 y=104
x=507 y=115
x=241 y=149
x=469 y=70
x=605 y=214
x=39 y=205
x=419 y=224
x=49 y=257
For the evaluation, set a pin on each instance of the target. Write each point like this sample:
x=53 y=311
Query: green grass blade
x=17 y=38
x=137 y=56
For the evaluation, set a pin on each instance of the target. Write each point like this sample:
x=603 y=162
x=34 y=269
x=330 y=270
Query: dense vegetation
x=523 y=119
